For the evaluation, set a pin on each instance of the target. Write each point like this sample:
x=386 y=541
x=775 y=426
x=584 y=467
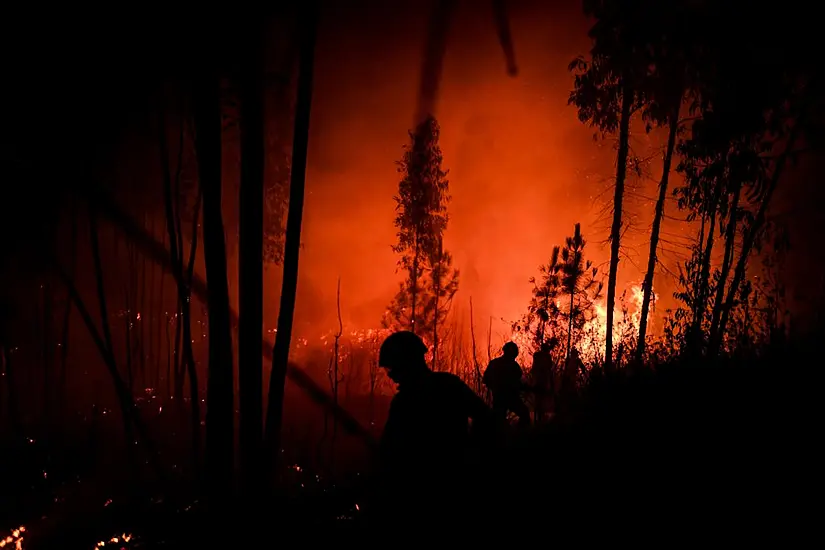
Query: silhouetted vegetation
x=182 y=191
x=424 y=298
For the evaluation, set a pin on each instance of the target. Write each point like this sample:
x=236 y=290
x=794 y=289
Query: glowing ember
x=15 y=538
x=122 y=539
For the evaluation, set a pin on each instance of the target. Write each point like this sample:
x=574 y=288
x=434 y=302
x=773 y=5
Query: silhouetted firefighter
x=543 y=373
x=426 y=440
x=503 y=378
x=569 y=383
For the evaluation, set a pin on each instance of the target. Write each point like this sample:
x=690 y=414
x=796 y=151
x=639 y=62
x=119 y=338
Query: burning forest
x=344 y=267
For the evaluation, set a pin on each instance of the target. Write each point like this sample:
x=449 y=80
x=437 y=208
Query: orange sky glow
x=522 y=168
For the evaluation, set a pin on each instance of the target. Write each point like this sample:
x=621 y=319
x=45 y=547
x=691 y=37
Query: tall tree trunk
x=727 y=261
x=219 y=391
x=250 y=264
x=753 y=232
x=107 y=349
x=436 y=274
x=570 y=323
x=336 y=379
x=168 y=359
x=616 y=228
x=158 y=252
x=127 y=405
x=647 y=291
x=292 y=244
x=175 y=248
x=476 y=367
x=142 y=319
x=163 y=325
x=130 y=379
x=188 y=351
x=702 y=288
x=414 y=286
x=154 y=303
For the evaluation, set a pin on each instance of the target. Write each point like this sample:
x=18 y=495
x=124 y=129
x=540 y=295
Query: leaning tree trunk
x=616 y=228
x=703 y=280
x=158 y=252
x=250 y=264
x=219 y=391
x=753 y=232
x=280 y=351
x=124 y=396
x=727 y=261
x=654 y=233
x=188 y=351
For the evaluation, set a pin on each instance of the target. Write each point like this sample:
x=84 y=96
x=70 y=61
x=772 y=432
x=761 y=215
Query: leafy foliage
x=424 y=296
x=564 y=295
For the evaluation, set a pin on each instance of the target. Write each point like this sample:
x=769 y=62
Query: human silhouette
x=503 y=378
x=426 y=443
x=569 y=383
x=543 y=374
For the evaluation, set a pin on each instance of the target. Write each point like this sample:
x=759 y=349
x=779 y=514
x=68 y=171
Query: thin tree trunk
x=171 y=203
x=141 y=316
x=168 y=359
x=703 y=280
x=177 y=360
x=436 y=274
x=220 y=398
x=727 y=261
x=647 y=290
x=128 y=331
x=475 y=351
x=336 y=361
x=121 y=390
x=414 y=287
x=150 y=318
x=616 y=228
x=280 y=351
x=753 y=231
x=250 y=265
x=162 y=327
x=129 y=413
x=570 y=322
x=490 y=341
x=188 y=351
x=160 y=254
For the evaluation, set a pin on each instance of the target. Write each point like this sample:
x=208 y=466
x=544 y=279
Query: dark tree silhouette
x=421 y=206
x=604 y=95
x=183 y=330
x=443 y=285
x=220 y=442
x=564 y=294
x=251 y=261
x=543 y=309
x=578 y=281
x=671 y=49
x=754 y=97
x=308 y=21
